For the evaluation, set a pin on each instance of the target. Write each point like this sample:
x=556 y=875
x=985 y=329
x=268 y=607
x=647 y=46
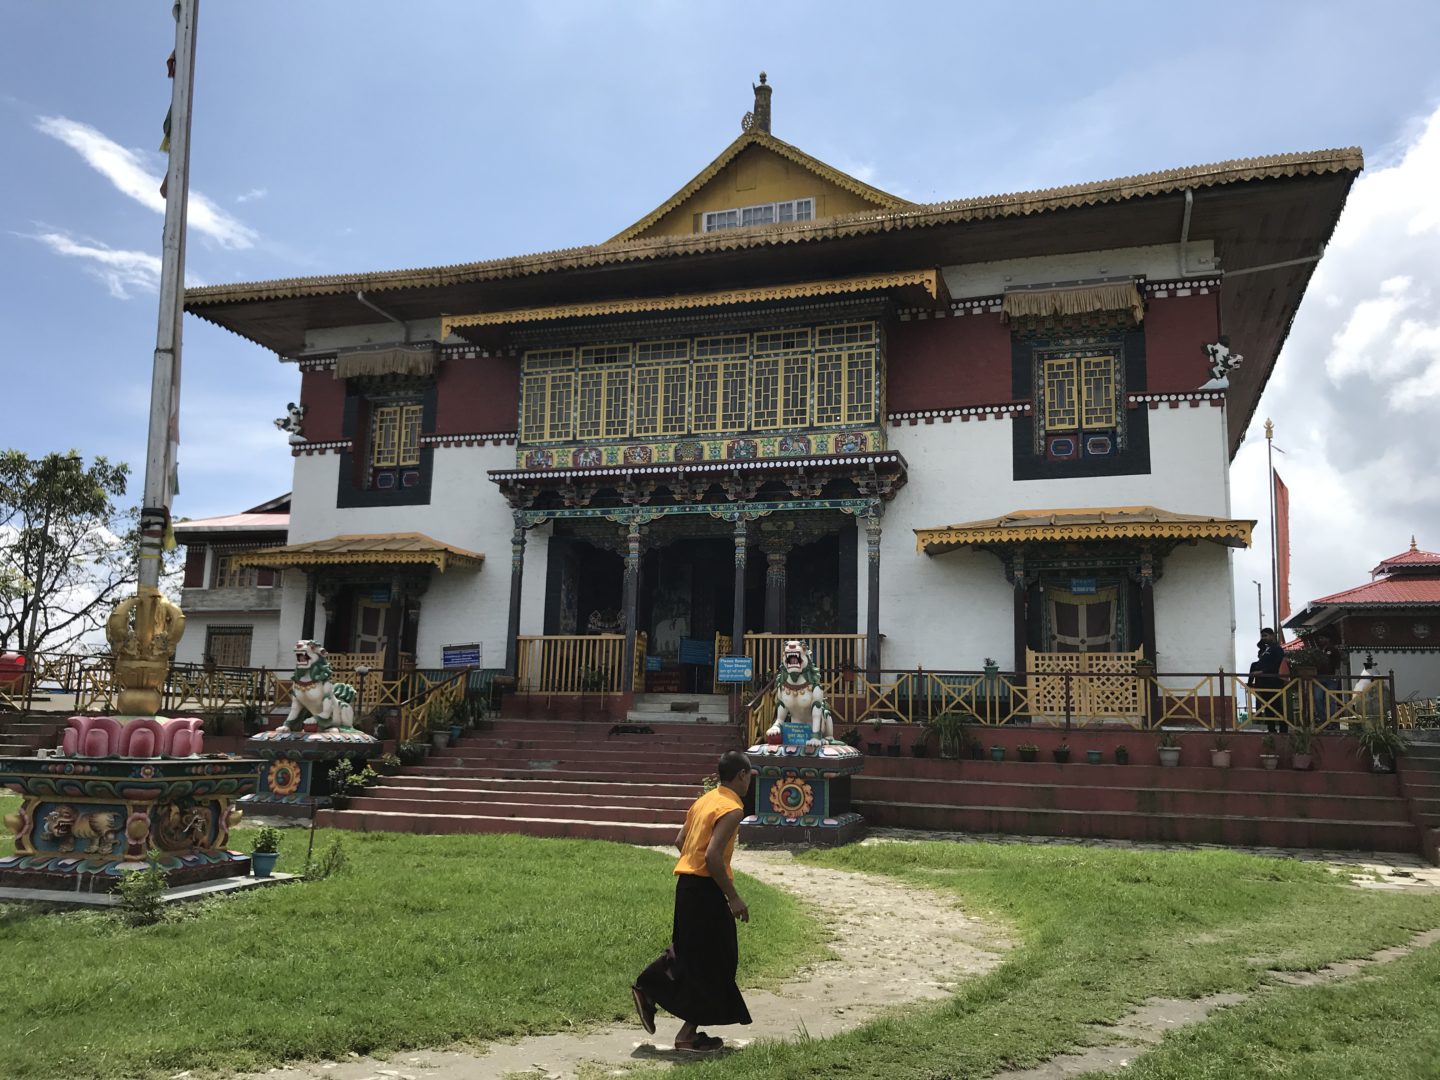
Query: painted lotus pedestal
x=295 y=766
x=124 y=786
x=802 y=791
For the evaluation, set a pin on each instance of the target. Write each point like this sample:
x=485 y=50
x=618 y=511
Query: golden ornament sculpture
x=143 y=631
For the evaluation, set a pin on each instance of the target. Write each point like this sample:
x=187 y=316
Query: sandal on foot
x=701 y=1044
x=645 y=1007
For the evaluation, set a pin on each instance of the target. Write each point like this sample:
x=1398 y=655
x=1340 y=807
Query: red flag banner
x=1282 y=546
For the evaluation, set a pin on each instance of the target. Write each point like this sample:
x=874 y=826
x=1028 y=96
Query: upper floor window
x=1077 y=401
x=229 y=576
x=763 y=214
x=395 y=436
x=773 y=380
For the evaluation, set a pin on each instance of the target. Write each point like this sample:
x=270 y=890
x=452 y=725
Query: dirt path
x=893 y=943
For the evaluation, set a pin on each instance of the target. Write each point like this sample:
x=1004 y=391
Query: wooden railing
x=642 y=646
x=570 y=664
x=1218 y=700
x=1109 y=691
x=429 y=698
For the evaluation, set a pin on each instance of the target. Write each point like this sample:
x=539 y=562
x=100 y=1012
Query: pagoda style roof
x=1075 y=525
x=1387 y=592
x=379 y=549
x=1413 y=561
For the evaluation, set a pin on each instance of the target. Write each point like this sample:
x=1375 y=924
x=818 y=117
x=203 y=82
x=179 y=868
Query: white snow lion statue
x=332 y=704
x=798 y=695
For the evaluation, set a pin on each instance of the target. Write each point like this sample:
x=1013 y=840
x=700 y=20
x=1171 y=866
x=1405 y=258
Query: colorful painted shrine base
x=295 y=767
x=802 y=793
x=83 y=821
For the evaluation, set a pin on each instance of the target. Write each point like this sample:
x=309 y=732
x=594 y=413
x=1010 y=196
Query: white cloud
x=1352 y=394
x=252 y=195
x=121 y=271
x=125 y=169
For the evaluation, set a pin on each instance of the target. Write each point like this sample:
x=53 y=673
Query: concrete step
x=543 y=788
x=584 y=811
x=665 y=724
x=620 y=761
x=665 y=700
x=8 y=749
x=560 y=794
x=1319 y=781
x=1150 y=827
x=625 y=832
x=1137 y=800
x=577 y=772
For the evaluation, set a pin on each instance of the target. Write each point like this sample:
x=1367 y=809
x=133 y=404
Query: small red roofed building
x=1395 y=617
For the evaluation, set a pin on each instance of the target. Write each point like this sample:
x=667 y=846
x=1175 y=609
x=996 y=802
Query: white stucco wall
x=953 y=610
x=1417 y=674
x=1154 y=261
x=466 y=511
x=264 y=635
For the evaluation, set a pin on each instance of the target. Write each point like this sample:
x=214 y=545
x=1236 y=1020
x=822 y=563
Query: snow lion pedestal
x=802 y=791
x=122 y=787
x=295 y=767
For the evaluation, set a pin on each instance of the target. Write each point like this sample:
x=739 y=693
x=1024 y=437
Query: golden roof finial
x=1412 y=543
x=1269 y=429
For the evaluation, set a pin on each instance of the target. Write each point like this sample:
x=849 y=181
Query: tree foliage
x=66 y=550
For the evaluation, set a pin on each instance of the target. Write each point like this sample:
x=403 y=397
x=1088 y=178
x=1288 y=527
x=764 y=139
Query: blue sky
x=352 y=136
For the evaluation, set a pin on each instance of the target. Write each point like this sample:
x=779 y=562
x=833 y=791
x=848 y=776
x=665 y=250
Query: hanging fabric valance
x=1075 y=300
x=417 y=360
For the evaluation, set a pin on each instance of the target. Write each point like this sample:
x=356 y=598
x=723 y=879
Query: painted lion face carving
x=796 y=658
x=311 y=661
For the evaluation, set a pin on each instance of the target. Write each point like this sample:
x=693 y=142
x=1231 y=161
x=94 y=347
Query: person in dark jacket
x=1265 y=682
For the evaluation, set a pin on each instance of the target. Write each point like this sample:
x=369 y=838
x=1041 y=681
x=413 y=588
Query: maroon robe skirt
x=694 y=978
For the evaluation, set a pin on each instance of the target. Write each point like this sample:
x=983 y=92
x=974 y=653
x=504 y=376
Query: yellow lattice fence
x=570 y=663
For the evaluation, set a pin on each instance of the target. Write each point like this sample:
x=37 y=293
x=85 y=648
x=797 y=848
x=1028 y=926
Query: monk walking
x=694 y=978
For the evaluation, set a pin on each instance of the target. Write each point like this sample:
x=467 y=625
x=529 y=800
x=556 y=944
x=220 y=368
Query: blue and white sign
x=1082 y=586
x=696 y=651
x=735 y=669
x=654 y=663
x=793 y=734
x=459 y=656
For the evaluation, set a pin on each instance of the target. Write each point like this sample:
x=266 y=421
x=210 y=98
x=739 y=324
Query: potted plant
x=1169 y=750
x=1381 y=743
x=920 y=747
x=367 y=777
x=1305 y=660
x=387 y=765
x=1028 y=752
x=997 y=753
x=850 y=737
x=265 y=851
x=894 y=749
x=874 y=747
x=412 y=753
x=439 y=725
x=1268 y=757
x=1122 y=755
x=950 y=733
x=1220 y=752
x=1061 y=753
x=1302 y=747
x=1094 y=757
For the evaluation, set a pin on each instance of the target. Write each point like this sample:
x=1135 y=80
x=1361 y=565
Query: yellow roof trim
x=1073 y=525
x=907 y=216
x=763 y=139
x=377 y=549
x=928 y=280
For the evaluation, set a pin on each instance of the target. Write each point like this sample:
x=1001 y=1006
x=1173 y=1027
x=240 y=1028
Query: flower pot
x=997 y=753
x=262 y=863
x=874 y=749
x=455 y=730
x=1302 y=762
x=1270 y=761
x=1220 y=759
x=440 y=739
x=1061 y=754
x=1026 y=754
x=339 y=802
x=1094 y=757
x=1169 y=756
x=894 y=750
x=1122 y=756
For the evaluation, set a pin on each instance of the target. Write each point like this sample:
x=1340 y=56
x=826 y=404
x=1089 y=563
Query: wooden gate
x=1101 y=686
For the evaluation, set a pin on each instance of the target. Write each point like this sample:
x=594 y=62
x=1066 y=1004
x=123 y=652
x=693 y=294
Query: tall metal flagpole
x=1274 y=540
x=144 y=629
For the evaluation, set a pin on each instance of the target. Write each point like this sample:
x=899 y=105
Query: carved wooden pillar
x=872 y=606
x=1022 y=614
x=1146 y=579
x=737 y=633
x=307 y=620
x=517 y=574
x=776 y=551
x=632 y=603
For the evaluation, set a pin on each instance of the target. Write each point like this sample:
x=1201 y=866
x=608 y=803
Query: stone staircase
x=550 y=778
x=1420 y=779
x=680 y=708
x=21 y=734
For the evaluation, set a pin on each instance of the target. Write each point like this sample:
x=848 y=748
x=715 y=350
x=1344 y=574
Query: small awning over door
x=1068 y=526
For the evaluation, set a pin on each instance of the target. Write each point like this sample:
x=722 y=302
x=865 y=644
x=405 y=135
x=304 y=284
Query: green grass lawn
x=1102 y=930
x=427 y=940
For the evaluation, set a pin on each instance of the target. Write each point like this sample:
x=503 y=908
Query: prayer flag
x=1282 y=546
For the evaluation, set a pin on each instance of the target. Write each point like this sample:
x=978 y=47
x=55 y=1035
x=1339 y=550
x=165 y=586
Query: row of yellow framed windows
x=395 y=436
x=1079 y=393
x=776 y=380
